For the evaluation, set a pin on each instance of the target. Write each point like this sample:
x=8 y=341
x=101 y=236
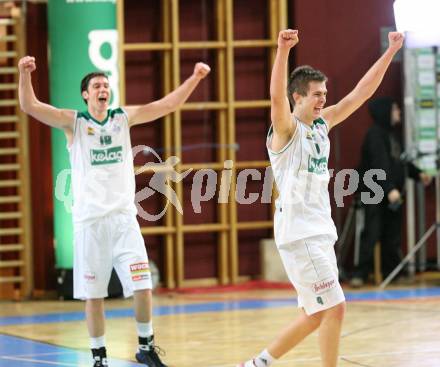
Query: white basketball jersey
x=101 y=158
x=301 y=175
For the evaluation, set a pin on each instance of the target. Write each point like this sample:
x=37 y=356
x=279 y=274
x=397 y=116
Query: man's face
x=395 y=114
x=98 y=93
x=313 y=102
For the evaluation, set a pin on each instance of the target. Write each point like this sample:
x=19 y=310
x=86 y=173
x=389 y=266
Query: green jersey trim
x=319 y=121
x=110 y=114
x=116 y=111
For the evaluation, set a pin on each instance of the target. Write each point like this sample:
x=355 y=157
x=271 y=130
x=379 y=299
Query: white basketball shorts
x=112 y=241
x=311 y=266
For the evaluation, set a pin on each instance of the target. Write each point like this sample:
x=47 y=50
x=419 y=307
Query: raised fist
x=288 y=38
x=395 y=40
x=27 y=64
x=201 y=70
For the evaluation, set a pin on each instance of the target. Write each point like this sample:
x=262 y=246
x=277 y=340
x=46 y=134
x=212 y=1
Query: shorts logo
x=140 y=271
x=323 y=286
x=319 y=300
x=106 y=156
x=90 y=277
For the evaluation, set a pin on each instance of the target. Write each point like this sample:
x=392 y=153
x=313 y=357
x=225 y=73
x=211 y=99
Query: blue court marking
x=18 y=352
x=395 y=294
x=157 y=311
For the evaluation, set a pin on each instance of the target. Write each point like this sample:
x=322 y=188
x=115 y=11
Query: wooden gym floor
x=397 y=327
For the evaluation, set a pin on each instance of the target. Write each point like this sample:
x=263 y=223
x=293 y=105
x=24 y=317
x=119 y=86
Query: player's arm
x=279 y=104
x=169 y=103
x=49 y=115
x=366 y=86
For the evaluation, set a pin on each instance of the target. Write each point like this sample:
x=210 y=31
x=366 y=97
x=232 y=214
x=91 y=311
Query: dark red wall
x=344 y=41
x=40 y=156
x=342 y=38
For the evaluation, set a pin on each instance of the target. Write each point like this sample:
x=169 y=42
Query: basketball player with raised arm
x=299 y=148
x=106 y=232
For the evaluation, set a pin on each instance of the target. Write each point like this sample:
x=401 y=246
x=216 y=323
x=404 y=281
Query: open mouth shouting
x=317 y=110
x=102 y=99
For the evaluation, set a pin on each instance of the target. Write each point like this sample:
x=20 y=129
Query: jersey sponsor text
x=106 y=156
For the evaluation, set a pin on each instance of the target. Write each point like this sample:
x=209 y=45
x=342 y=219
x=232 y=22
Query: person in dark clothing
x=382 y=149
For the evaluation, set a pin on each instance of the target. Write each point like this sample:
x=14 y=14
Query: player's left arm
x=169 y=103
x=366 y=86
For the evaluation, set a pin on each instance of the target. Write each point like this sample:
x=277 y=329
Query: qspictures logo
x=208 y=184
x=105 y=156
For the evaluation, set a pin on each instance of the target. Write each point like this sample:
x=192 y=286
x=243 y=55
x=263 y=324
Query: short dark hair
x=86 y=80
x=299 y=80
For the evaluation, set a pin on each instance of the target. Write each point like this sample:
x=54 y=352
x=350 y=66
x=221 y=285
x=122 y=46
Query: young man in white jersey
x=299 y=148
x=106 y=232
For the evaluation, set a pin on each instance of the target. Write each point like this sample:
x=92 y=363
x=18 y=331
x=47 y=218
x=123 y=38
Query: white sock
x=144 y=329
x=264 y=359
x=96 y=343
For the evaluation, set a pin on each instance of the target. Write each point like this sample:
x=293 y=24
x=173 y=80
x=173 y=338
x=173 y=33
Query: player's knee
x=334 y=313
x=95 y=305
x=315 y=319
x=338 y=311
x=142 y=293
x=95 y=302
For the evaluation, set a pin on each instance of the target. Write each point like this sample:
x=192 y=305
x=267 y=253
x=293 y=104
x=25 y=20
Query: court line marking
x=356 y=363
x=41 y=361
x=73 y=351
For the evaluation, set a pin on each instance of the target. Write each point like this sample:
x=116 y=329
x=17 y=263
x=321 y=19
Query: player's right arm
x=49 y=115
x=279 y=104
